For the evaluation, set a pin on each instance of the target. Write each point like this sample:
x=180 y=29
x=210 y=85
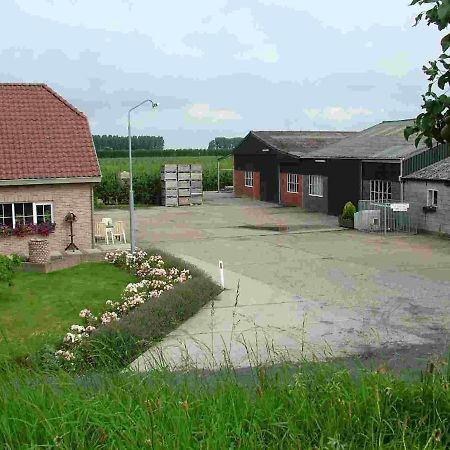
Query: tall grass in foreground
x=319 y=406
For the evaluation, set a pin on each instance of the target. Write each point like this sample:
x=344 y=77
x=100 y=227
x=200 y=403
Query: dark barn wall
x=381 y=171
x=343 y=182
x=249 y=156
x=312 y=202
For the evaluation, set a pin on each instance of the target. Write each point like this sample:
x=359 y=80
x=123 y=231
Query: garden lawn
x=39 y=308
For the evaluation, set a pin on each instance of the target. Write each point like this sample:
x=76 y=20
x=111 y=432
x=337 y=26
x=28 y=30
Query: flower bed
x=155 y=278
x=21 y=230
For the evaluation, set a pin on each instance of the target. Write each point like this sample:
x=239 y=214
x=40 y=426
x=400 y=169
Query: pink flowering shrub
x=154 y=279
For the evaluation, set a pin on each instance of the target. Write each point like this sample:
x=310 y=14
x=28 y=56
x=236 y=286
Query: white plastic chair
x=119 y=232
x=109 y=233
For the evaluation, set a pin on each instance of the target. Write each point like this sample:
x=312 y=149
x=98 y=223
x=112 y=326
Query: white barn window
x=292 y=183
x=316 y=185
x=380 y=191
x=432 y=198
x=248 y=179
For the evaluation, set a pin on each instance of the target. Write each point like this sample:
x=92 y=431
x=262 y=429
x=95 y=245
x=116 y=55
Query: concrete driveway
x=306 y=288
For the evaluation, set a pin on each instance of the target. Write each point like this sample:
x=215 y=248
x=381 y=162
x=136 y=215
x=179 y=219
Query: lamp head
x=155 y=104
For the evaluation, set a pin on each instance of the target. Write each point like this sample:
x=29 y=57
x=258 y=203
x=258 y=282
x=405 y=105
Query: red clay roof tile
x=42 y=135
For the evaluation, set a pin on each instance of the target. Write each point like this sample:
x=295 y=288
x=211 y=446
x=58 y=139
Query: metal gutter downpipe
x=400 y=178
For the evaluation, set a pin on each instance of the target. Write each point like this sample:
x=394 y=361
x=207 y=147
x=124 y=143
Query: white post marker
x=222 y=279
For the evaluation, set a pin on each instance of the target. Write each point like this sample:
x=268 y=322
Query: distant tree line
x=157 y=153
x=115 y=142
x=224 y=143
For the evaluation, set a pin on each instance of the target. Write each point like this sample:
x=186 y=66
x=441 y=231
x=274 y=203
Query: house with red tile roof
x=48 y=168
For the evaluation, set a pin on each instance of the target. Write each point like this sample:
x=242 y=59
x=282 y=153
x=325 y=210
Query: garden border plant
x=168 y=292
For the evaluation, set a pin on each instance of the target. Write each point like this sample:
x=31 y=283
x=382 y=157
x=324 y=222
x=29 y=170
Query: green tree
x=434 y=121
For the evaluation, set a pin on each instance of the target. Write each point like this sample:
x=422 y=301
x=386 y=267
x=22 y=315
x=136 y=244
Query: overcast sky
x=222 y=67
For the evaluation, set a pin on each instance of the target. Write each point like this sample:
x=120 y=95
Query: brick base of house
x=290 y=198
x=64 y=198
x=240 y=190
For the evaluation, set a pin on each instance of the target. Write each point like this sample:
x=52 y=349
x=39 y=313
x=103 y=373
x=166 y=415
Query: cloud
x=397 y=65
x=203 y=112
x=336 y=113
x=266 y=53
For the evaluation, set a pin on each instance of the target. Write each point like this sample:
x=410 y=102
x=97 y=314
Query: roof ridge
x=20 y=84
x=303 y=131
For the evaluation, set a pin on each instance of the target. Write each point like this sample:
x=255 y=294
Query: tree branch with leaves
x=434 y=122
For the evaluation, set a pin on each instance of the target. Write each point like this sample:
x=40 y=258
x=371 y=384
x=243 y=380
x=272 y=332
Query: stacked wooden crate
x=184 y=184
x=169 y=180
x=196 y=184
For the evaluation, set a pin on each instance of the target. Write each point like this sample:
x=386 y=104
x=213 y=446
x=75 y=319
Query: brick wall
x=240 y=190
x=416 y=194
x=290 y=198
x=65 y=198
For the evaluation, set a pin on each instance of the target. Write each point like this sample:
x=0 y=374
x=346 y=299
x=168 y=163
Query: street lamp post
x=131 y=199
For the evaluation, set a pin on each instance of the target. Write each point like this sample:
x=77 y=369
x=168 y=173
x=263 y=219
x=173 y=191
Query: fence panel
x=383 y=218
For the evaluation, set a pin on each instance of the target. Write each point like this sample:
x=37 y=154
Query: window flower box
x=22 y=230
x=429 y=208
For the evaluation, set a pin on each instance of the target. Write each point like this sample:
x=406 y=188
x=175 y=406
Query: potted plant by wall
x=346 y=218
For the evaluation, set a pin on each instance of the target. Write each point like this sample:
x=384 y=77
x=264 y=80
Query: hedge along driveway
x=39 y=308
x=117 y=344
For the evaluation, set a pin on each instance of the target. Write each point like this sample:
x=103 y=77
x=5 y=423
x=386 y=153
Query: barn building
x=321 y=171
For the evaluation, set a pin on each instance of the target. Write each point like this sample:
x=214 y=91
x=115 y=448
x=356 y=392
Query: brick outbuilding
x=48 y=167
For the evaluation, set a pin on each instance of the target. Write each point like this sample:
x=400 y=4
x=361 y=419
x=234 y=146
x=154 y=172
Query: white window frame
x=315 y=183
x=34 y=210
x=35 y=205
x=292 y=183
x=430 y=197
x=248 y=178
x=380 y=191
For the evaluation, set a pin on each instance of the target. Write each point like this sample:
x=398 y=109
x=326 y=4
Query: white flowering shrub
x=154 y=279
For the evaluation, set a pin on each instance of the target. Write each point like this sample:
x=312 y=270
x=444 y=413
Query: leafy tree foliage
x=224 y=143
x=434 y=121
x=114 y=142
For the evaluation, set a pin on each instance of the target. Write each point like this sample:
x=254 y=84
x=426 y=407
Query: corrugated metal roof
x=437 y=171
x=382 y=141
x=299 y=143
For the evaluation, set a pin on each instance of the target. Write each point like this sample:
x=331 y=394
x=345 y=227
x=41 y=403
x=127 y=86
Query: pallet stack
x=182 y=184
x=169 y=179
x=196 y=184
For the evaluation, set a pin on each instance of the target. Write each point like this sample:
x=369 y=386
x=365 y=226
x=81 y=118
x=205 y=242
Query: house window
x=6 y=214
x=292 y=183
x=13 y=214
x=248 y=179
x=380 y=191
x=315 y=185
x=23 y=213
x=43 y=212
x=432 y=198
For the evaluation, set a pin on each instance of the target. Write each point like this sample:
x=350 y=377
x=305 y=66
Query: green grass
x=146 y=177
x=320 y=407
x=153 y=164
x=39 y=307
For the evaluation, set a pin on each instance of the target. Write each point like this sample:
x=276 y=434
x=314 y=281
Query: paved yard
x=306 y=288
